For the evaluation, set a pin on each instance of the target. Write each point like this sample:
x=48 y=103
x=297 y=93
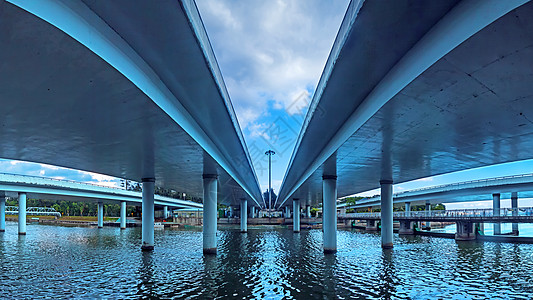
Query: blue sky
x=271 y=54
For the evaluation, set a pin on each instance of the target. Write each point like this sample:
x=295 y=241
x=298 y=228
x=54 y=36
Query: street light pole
x=270 y=153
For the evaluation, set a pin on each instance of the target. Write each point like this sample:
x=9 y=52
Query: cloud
x=270 y=51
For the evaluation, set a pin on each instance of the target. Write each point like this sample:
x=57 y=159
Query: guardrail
x=460 y=213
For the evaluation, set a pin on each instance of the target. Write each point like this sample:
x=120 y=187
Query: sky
x=271 y=55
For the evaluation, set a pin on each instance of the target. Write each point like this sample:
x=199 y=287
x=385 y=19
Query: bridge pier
x=287 y=212
x=371 y=225
x=329 y=214
x=406 y=228
x=308 y=211
x=244 y=215
x=165 y=212
x=100 y=215
x=296 y=215
x=148 y=188
x=231 y=211
x=514 y=206
x=22 y=213
x=2 y=214
x=428 y=213
x=210 y=213
x=407 y=209
x=386 y=214
x=465 y=231
x=123 y=215
x=496 y=213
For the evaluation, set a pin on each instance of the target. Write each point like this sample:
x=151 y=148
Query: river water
x=269 y=263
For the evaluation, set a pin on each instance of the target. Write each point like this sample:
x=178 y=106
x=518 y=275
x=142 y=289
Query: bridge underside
x=472 y=108
x=64 y=105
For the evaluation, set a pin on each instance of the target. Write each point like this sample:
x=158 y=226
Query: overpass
x=129 y=89
x=472 y=190
x=410 y=90
x=23 y=186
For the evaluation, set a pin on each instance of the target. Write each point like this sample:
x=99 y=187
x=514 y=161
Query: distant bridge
x=33 y=211
x=522 y=215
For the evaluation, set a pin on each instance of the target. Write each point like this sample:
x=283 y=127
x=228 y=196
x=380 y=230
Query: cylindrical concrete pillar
x=496 y=212
x=22 y=213
x=231 y=212
x=2 y=214
x=210 y=213
x=244 y=215
x=428 y=213
x=386 y=214
x=296 y=215
x=100 y=214
x=407 y=209
x=165 y=212
x=329 y=213
x=308 y=211
x=287 y=212
x=148 y=189
x=514 y=207
x=123 y=215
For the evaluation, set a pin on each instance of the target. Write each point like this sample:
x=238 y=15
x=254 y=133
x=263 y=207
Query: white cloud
x=270 y=50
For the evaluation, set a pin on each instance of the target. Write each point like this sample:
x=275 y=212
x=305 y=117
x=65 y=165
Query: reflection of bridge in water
x=33 y=211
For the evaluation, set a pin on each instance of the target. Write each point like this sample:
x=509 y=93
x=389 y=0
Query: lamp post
x=270 y=153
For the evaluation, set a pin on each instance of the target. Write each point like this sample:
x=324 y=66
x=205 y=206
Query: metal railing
x=459 y=213
x=33 y=211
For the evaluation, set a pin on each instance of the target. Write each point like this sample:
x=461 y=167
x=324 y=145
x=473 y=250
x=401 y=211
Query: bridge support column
x=287 y=212
x=406 y=227
x=407 y=209
x=100 y=214
x=148 y=188
x=329 y=214
x=371 y=225
x=123 y=215
x=296 y=215
x=210 y=213
x=2 y=214
x=514 y=206
x=165 y=212
x=244 y=215
x=428 y=213
x=231 y=211
x=252 y=212
x=465 y=231
x=22 y=213
x=496 y=213
x=308 y=211
x=386 y=214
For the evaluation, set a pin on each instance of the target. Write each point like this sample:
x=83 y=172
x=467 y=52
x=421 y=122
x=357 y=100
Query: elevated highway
x=410 y=90
x=474 y=190
x=124 y=88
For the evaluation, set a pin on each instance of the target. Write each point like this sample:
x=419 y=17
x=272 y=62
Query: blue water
x=267 y=263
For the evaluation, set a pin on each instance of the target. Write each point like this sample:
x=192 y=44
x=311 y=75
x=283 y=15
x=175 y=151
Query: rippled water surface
x=61 y=262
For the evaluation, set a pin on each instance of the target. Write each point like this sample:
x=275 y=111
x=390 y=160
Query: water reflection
x=58 y=262
x=145 y=287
